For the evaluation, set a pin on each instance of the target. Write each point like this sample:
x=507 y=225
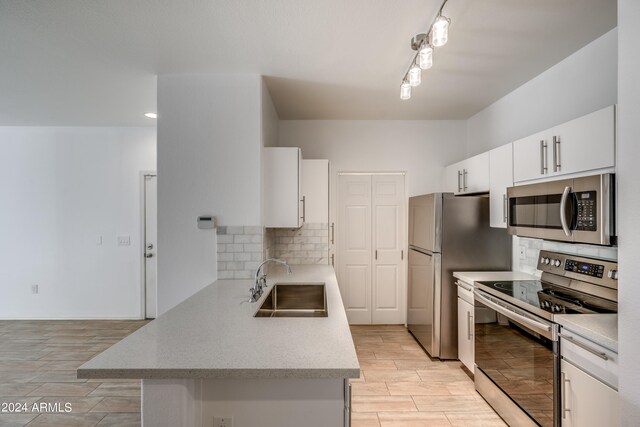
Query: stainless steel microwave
x=577 y=210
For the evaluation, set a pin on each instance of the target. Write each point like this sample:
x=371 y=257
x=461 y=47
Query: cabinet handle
x=333 y=229
x=376 y=254
x=402 y=255
x=333 y=259
x=556 y=154
x=563 y=395
x=464 y=180
x=572 y=340
x=469 y=323
x=459 y=180
x=504 y=208
x=304 y=208
x=543 y=157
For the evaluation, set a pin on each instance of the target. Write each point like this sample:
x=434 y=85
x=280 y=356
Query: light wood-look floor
x=400 y=386
x=38 y=360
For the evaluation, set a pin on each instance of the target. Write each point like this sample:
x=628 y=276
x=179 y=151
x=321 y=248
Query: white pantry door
x=370 y=247
x=150 y=249
x=389 y=249
x=354 y=246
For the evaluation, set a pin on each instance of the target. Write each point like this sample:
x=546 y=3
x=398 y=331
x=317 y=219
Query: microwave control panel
x=587 y=211
x=590 y=269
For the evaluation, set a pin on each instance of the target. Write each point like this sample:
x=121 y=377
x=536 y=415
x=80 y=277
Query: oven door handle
x=563 y=217
x=511 y=314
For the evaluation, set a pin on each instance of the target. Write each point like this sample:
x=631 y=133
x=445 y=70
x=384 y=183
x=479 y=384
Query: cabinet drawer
x=603 y=365
x=465 y=291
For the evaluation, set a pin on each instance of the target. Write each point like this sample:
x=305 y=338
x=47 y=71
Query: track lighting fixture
x=424 y=44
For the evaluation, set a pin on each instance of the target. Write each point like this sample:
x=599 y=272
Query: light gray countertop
x=600 y=328
x=213 y=334
x=470 y=277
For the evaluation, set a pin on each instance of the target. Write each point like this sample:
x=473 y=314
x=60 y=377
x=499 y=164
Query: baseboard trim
x=74 y=318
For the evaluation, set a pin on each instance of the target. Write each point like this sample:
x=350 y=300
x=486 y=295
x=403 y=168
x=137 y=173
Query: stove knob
x=546 y=260
x=556 y=263
x=557 y=308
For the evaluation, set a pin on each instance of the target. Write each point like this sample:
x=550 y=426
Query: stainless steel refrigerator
x=447 y=234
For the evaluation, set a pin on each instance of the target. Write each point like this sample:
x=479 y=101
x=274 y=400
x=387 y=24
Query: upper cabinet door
x=453 y=178
x=475 y=174
x=315 y=190
x=531 y=158
x=500 y=178
x=581 y=145
x=282 y=187
x=584 y=144
x=468 y=176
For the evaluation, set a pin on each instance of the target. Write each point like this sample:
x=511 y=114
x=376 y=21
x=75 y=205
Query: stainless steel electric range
x=517 y=351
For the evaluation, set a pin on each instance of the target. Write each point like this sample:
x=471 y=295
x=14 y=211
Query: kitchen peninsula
x=209 y=357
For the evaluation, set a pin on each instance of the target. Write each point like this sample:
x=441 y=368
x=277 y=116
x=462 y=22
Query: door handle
x=504 y=208
x=464 y=180
x=333 y=229
x=600 y=354
x=543 y=157
x=148 y=255
x=304 y=208
x=556 y=154
x=149 y=246
x=563 y=394
x=563 y=205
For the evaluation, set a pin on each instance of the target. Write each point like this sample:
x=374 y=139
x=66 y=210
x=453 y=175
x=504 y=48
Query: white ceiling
x=91 y=62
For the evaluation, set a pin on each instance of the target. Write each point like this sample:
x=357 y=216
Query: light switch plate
x=223 y=422
x=124 y=240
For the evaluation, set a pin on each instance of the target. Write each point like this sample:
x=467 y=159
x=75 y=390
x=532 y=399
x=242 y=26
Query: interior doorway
x=150 y=253
x=371 y=247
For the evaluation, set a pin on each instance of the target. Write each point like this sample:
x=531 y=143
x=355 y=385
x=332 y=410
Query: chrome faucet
x=261 y=280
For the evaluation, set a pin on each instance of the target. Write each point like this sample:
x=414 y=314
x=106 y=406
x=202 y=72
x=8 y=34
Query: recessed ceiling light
x=151 y=115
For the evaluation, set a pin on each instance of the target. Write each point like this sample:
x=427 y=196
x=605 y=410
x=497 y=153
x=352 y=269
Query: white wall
x=584 y=82
x=209 y=162
x=61 y=188
x=628 y=150
x=419 y=147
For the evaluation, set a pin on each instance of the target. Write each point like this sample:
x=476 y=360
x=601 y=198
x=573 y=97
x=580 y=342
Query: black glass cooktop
x=547 y=297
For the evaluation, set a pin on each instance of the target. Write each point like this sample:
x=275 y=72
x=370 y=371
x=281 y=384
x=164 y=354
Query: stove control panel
x=588 y=268
x=597 y=271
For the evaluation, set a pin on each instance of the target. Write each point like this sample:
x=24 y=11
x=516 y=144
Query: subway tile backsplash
x=533 y=246
x=308 y=244
x=240 y=251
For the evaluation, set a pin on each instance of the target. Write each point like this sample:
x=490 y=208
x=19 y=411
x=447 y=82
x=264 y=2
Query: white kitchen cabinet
x=315 y=189
x=468 y=176
x=284 y=203
x=584 y=144
x=500 y=178
x=586 y=402
x=465 y=333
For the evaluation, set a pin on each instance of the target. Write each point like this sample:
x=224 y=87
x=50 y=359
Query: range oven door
x=573 y=210
x=518 y=353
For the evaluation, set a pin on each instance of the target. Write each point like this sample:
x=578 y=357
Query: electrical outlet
x=523 y=252
x=34 y=289
x=223 y=422
x=124 y=240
